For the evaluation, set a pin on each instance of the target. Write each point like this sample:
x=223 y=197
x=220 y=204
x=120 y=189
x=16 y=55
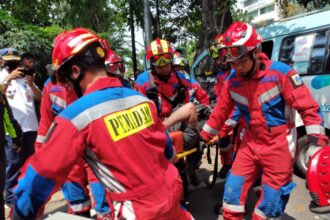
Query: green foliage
x=26 y=37
x=290 y=8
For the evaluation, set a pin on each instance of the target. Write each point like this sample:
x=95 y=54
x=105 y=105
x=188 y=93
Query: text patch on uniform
x=125 y=123
x=296 y=80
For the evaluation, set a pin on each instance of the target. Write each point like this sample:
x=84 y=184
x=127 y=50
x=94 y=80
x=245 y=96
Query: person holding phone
x=21 y=93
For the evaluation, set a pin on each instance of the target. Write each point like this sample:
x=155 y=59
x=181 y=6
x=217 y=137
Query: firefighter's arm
x=46 y=118
x=297 y=95
x=219 y=114
x=170 y=152
x=230 y=123
x=200 y=94
x=47 y=170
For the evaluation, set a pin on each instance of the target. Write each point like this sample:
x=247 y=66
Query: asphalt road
x=202 y=200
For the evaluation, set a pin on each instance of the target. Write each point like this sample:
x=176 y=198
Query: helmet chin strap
x=76 y=83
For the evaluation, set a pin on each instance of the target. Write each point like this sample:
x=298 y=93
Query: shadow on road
x=203 y=200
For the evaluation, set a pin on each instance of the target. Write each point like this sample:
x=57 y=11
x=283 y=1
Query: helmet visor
x=161 y=60
x=116 y=68
x=230 y=54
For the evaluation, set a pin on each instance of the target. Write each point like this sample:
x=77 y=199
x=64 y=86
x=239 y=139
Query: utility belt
x=138 y=192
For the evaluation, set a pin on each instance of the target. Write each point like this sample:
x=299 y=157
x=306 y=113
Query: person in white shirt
x=18 y=85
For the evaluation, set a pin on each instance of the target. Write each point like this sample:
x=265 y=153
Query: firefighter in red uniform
x=265 y=93
x=170 y=90
x=57 y=95
x=226 y=140
x=107 y=127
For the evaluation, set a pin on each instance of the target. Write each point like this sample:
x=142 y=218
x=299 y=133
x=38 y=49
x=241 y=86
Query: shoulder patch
x=296 y=80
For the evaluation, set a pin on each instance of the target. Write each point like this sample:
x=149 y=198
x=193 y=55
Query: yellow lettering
x=129 y=121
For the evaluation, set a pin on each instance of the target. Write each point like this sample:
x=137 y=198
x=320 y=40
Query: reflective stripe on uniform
x=231 y=122
x=263 y=216
x=234 y=208
x=102 y=172
x=81 y=207
x=315 y=129
x=57 y=100
x=238 y=98
x=268 y=95
x=210 y=130
x=105 y=108
x=41 y=139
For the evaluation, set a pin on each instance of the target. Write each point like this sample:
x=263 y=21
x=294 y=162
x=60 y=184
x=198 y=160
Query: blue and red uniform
x=170 y=90
x=56 y=97
x=266 y=101
x=119 y=134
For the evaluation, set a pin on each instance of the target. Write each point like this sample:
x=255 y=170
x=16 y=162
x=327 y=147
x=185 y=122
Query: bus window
x=267 y=48
x=306 y=53
x=318 y=53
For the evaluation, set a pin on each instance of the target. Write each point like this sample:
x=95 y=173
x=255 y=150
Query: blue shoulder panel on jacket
x=281 y=67
x=47 y=81
x=142 y=78
x=96 y=98
x=231 y=75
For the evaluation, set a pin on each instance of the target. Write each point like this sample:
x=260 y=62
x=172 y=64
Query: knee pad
x=274 y=201
x=233 y=189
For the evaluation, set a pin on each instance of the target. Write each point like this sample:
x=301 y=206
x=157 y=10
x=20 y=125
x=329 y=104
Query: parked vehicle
x=303 y=43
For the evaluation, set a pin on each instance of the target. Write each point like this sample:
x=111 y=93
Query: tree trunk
x=216 y=17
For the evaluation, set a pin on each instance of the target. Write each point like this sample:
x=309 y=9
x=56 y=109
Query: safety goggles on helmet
x=161 y=60
x=116 y=68
x=230 y=54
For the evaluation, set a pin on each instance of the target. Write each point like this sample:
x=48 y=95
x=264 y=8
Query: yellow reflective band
x=125 y=123
x=164 y=46
x=154 y=48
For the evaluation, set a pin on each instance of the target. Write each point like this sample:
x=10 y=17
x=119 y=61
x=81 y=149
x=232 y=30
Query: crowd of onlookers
x=17 y=111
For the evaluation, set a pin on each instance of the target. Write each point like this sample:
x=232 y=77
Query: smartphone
x=27 y=72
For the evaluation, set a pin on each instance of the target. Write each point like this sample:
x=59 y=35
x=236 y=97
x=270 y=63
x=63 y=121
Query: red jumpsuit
x=56 y=97
x=119 y=134
x=265 y=100
x=226 y=152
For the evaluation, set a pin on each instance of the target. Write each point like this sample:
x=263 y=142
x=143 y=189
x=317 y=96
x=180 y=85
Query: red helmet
x=114 y=64
x=238 y=40
x=70 y=43
x=318 y=179
x=157 y=48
